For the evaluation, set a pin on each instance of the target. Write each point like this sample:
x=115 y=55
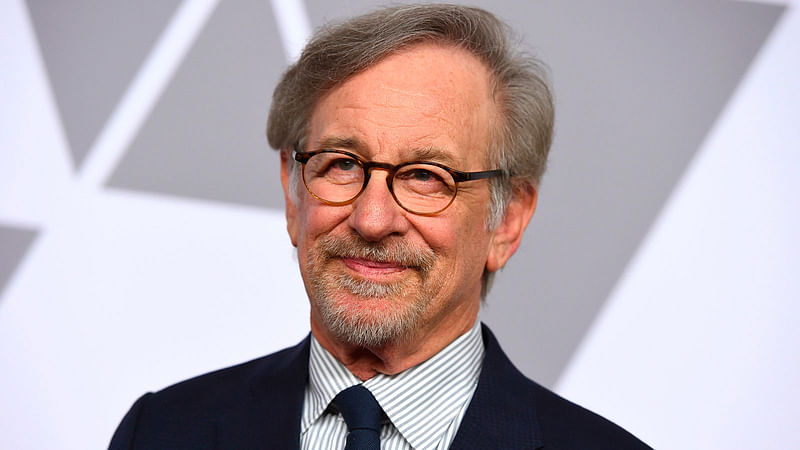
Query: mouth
x=387 y=262
x=373 y=269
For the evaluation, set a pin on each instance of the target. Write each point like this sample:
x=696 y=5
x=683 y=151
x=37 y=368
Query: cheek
x=316 y=219
x=455 y=240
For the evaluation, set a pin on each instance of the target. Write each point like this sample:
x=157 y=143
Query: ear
x=291 y=208
x=508 y=234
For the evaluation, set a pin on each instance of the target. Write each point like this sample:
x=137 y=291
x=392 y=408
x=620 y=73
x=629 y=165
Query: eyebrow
x=342 y=143
x=432 y=154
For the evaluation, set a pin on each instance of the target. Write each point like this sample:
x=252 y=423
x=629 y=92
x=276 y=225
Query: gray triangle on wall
x=92 y=50
x=639 y=85
x=205 y=138
x=14 y=244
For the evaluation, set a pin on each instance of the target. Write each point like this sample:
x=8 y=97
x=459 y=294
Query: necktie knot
x=362 y=414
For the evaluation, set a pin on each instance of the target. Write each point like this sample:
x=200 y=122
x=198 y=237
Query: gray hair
x=518 y=145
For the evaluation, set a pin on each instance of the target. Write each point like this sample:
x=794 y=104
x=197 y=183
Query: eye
x=336 y=169
x=344 y=164
x=423 y=180
x=335 y=166
x=421 y=175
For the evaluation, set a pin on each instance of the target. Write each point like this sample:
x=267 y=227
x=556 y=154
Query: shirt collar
x=421 y=401
x=326 y=378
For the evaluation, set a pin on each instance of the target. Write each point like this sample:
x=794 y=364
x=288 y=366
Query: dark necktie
x=363 y=414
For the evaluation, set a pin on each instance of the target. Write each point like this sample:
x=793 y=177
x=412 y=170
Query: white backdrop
x=122 y=291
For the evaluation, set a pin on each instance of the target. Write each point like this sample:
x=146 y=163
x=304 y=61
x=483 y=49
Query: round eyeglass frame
x=367 y=166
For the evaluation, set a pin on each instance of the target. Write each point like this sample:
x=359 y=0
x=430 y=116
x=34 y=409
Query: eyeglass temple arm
x=469 y=176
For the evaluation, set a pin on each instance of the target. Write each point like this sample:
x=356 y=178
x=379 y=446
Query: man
x=412 y=141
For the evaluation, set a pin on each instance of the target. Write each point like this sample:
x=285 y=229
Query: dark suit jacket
x=257 y=405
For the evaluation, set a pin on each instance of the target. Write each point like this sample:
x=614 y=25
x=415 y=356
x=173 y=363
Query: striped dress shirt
x=424 y=404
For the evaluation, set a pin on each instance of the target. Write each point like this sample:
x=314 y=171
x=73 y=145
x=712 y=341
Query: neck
x=396 y=356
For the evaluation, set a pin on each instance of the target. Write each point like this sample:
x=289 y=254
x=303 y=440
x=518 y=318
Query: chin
x=368 y=314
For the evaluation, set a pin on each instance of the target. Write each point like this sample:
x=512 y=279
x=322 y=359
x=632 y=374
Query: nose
x=375 y=213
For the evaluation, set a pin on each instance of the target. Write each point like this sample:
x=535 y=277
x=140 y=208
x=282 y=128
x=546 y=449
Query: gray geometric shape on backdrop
x=205 y=138
x=92 y=49
x=638 y=86
x=14 y=243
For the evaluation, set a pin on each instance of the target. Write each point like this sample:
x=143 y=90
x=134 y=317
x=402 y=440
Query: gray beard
x=384 y=312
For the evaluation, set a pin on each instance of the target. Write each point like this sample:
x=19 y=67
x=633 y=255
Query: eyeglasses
x=337 y=177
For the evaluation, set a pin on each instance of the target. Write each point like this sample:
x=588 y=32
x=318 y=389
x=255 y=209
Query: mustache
x=394 y=251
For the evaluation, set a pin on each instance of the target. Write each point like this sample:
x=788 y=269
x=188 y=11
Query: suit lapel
x=270 y=417
x=501 y=413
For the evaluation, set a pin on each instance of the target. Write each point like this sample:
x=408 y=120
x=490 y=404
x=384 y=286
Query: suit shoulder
x=227 y=384
x=555 y=421
x=195 y=412
x=577 y=427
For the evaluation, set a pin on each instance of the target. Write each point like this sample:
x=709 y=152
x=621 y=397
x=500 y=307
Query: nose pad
x=375 y=213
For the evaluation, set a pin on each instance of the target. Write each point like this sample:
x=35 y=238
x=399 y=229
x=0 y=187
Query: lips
x=370 y=267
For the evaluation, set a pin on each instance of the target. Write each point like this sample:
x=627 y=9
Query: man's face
x=374 y=272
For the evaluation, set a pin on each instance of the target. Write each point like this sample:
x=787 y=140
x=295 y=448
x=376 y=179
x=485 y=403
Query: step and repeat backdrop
x=142 y=237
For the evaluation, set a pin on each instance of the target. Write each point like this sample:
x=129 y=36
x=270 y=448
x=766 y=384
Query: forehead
x=429 y=98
